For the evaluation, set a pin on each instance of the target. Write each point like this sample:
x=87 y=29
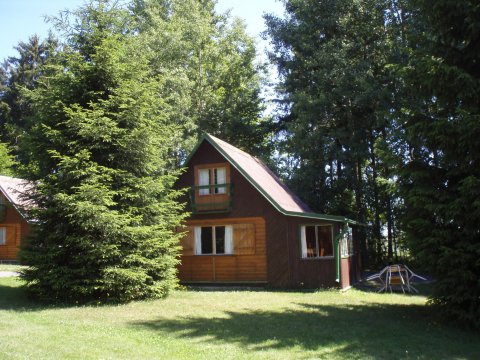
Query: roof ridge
x=275 y=190
x=14 y=190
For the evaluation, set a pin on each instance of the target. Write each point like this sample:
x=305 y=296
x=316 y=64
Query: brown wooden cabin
x=13 y=224
x=248 y=227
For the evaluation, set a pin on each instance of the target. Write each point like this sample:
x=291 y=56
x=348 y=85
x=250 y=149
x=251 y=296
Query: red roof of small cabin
x=266 y=182
x=14 y=189
x=263 y=177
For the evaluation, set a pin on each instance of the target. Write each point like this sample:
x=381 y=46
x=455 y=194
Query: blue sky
x=20 y=19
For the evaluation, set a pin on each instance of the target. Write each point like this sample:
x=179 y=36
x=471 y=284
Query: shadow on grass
x=14 y=297
x=367 y=330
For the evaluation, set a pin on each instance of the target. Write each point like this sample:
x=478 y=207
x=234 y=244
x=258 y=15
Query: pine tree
x=6 y=160
x=441 y=131
x=336 y=92
x=101 y=148
x=18 y=73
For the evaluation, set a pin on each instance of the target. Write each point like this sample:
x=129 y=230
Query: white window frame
x=212 y=177
x=3 y=236
x=303 y=242
x=220 y=178
x=228 y=240
x=204 y=180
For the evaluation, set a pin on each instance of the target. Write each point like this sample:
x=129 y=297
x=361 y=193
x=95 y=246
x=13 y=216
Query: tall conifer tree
x=102 y=142
x=441 y=167
x=336 y=93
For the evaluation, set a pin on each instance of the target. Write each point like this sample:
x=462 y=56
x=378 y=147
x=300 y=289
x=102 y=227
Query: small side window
x=3 y=236
x=316 y=241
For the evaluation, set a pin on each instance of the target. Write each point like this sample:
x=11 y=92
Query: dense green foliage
x=336 y=89
x=6 y=160
x=100 y=145
x=101 y=118
x=217 y=78
x=441 y=174
x=380 y=122
x=17 y=74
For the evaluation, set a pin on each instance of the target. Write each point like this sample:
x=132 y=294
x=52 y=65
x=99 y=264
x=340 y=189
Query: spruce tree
x=335 y=96
x=441 y=158
x=6 y=160
x=101 y=149
x=16 y=74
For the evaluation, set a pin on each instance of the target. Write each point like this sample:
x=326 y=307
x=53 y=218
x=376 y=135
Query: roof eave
x=340 y=219
x=277 y=206
x=15 y=206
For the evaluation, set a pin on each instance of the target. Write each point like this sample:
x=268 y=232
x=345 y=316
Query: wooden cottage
x=248 y=227
x=13 y=224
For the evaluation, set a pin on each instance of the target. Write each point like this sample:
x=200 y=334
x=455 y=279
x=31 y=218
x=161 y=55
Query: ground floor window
x=213 y=240
x=316 y=241
x=238 y=239
x=3 y=236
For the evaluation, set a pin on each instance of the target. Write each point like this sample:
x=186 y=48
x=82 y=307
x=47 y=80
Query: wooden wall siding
x=227 y=268
x=284 y=266
x=308 y=273
x=10 y=249
x=17 y=228
x=345 y=265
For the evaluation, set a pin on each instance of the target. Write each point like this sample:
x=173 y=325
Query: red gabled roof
x=263 y=177
x=14 y=190
x=266 y=182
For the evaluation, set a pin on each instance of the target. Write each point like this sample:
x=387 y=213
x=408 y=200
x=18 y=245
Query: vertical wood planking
x=225 y=268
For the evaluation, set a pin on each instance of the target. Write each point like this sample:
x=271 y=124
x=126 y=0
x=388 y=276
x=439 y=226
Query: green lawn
x=8 y=267
x=233 y=324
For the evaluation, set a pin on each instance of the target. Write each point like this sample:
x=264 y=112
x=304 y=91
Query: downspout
x=336 y=252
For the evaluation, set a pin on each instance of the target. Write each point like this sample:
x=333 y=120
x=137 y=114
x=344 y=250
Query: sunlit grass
x=233 y=324
x=9 y=267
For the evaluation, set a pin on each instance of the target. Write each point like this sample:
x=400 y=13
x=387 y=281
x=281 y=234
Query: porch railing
x=211 y=198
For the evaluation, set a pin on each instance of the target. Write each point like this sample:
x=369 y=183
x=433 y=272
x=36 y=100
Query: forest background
x=375 y=117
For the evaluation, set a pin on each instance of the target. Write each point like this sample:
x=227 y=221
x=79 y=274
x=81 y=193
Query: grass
x=233 y=324
x=9 y=267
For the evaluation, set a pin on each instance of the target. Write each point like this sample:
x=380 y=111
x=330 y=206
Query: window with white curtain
x=316 y=241
x=212 y=181
x=213 y=240
x=3 y=236
x=204 y=181
x=220 y=178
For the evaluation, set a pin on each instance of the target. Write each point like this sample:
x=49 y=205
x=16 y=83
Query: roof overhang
x=276 y=205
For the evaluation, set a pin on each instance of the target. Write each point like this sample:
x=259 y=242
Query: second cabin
x=248 y=227
x=14 y=226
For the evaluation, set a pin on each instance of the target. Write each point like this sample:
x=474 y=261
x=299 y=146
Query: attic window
x=212 y=180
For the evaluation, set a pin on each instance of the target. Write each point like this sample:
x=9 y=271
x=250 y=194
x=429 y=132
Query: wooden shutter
x=188 y=241
x=11 y=236
x=244 y=239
